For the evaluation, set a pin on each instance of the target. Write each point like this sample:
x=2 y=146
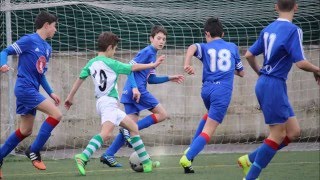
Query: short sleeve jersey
x=220 y=59
x=281 y=45
x=104 y=72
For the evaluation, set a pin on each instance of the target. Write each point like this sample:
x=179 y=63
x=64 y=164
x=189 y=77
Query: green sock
x=94 y=144
x=138 y=146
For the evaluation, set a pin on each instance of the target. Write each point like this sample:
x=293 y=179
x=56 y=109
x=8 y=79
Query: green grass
x=286 y=165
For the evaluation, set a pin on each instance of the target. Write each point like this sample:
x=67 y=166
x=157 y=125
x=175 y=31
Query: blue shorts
x=147 y=101
x=272 y=95
x=216 y=97
x=28 y=99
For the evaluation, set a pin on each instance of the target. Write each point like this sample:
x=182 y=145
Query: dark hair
x=214 y=27
x=44 y=17
x=106 y=39
x=286 y=5
x=157 y=29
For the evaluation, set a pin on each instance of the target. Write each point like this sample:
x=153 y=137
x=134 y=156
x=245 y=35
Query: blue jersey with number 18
x=281 y=44
x=220 y=59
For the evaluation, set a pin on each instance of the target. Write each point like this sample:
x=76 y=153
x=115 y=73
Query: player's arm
x=139 y=67
x=16 y=48
x=85 y=72
x=252 y=62
x=46 y=86
x=192 y=49
x=239 y=73
x=296 y=51
x=69 y=101
x=4 y=58
x=154 y=79
x=309 y=67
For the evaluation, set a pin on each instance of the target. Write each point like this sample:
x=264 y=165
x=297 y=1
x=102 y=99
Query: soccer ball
x=135 y=162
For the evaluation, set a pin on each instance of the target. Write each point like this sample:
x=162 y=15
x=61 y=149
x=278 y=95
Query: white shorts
x=108 y=109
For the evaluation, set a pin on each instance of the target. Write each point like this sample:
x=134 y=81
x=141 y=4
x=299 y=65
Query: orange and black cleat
x=35 y=159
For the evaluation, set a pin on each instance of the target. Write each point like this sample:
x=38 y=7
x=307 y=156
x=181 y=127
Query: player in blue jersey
x=221 y=61
x=136 y=97
x=34 y=54
x=281 y=44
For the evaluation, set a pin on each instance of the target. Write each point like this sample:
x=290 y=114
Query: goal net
x=80 y=23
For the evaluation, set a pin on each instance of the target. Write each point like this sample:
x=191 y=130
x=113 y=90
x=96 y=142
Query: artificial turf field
x=285 y=166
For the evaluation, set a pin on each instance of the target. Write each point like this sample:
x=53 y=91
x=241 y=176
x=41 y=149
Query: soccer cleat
x=147 y=167
x=110 y=161
x=35 y=159
x=126 y=135
x=244 y=163
x=81 y=162
x=186 y=164
x=0 y=169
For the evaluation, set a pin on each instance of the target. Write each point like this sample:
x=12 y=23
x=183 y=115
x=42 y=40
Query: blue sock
x=284 y=143
x=147 y=121
x=117 y=143
x=13 y=140
x=44 y=133
x=197 y=145
x=200 y=126
x=264 y=155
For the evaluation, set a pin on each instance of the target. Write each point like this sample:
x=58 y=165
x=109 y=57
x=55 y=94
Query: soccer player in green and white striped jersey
x=104 y=71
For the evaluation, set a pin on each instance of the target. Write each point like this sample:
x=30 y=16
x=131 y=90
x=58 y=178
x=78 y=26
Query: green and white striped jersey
x=104 y=72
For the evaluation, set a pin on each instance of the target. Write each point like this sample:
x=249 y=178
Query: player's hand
x=68 y=103
x=159 y=61
x=177 y=78
x=317 y=77
x=136 y=94
x=4 y=68
x=188 y=69
x=55 y=98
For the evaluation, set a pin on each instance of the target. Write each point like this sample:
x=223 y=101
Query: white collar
x=282 y=19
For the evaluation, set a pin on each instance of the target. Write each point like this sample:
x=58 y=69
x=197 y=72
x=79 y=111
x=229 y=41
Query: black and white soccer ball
x=135 y=162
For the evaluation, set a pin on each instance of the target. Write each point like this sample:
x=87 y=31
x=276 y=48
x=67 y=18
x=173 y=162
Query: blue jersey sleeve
x=295 y=48
x=238 y=63
x=154 y=79
x=16 y=48
x=21 y=45
x=199 y=51
x=257 y=47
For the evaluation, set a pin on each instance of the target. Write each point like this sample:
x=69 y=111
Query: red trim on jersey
x=286 y=141
x=19 y=135
x=205 y=116
x=154 y=117
x=52 y=121
x=272 y=144
x=205 y=136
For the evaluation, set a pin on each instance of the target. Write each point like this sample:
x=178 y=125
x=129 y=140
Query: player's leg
x=108 y=156
x=198 y=144
x=24 y=130
x=94 y=144
x=54 y=117
x=293 y=132
x=200 y=126
x=267 y=150
x=137 y=143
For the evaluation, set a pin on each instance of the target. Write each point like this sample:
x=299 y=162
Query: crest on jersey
x=41 y=63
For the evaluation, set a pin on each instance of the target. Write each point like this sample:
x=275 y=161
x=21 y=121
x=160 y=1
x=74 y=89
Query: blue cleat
x=110 y=161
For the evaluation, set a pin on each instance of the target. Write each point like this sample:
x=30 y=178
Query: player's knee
x=105 y=136
x=134 y=130
x=57 y=116
x=294 y=133
x=26 y=132
x=163 y=116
